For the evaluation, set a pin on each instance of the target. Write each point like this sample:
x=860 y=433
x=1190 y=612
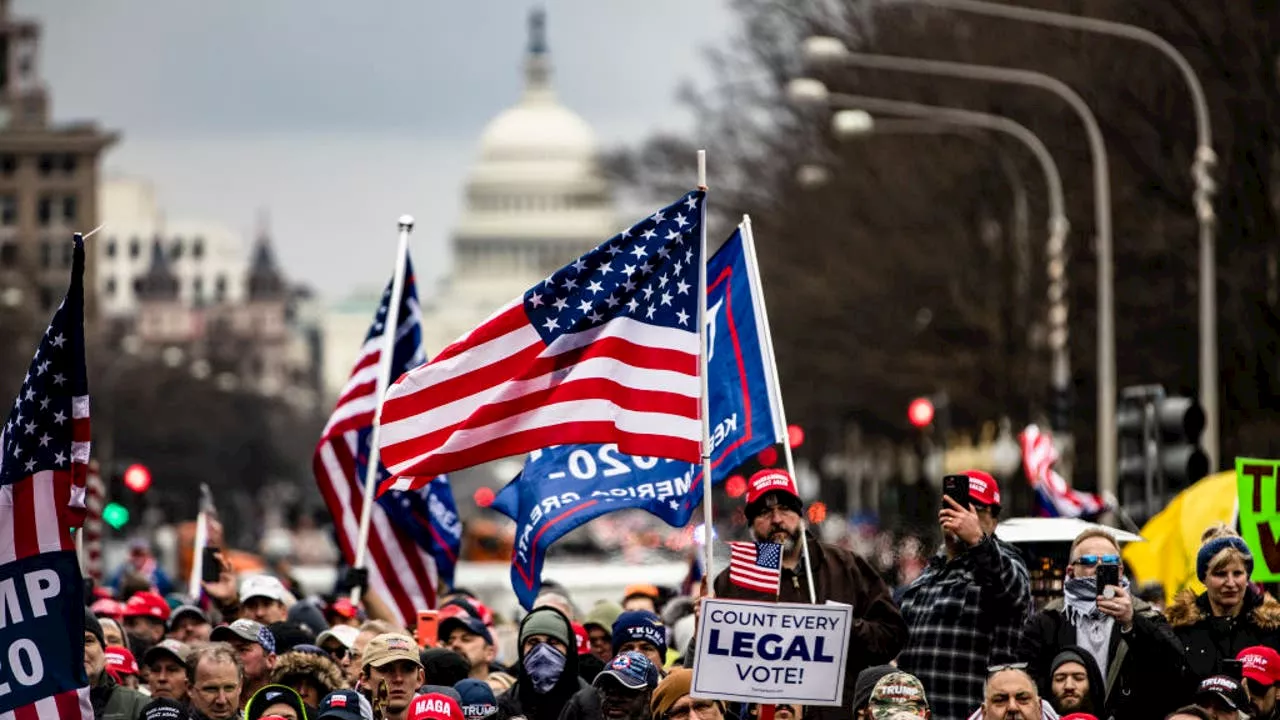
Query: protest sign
x=1259 y=514
x=772 y=652
x=564 y=486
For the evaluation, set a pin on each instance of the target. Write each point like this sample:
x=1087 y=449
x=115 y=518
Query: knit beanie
x=91 y=625
x=1064 y=657
x=866 y=682
x=671 y=689
x=639 y=625
x=1212 y=547
x=547 y=621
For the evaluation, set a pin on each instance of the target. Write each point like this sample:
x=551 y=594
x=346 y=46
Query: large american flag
x=604 y=350
x=1056 y=498
x=405 y=553
x=756 y=566
x=42 y=487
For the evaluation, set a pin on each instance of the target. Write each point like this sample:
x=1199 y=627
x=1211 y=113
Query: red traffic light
x=137 y=478
x=920 y=412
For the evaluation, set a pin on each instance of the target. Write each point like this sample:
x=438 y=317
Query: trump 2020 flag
x=42 y=489
x=605 y=350
x=414 y=536
x=564 y=486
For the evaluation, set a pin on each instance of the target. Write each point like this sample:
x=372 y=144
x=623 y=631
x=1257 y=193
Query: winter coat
x=965 y=614
x=320 y=671
x=115 y=702
x=584 y=705
x=878 y=631
x=1140 y=663
x=521 y=698
x=1207 y=640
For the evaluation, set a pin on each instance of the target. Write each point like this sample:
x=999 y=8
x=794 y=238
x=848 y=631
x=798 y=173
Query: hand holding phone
x=1108 y=578
x=427 y=632
x=956 y=487
x=211 y=564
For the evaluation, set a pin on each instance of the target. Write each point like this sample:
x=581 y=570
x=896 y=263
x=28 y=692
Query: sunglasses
x=993 y=669
x=1091 y=560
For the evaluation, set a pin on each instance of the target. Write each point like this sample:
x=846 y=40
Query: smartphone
x=1232 y=668
x=210 y=565
x=1108 y=576
x=428 y=628
x=956 y=487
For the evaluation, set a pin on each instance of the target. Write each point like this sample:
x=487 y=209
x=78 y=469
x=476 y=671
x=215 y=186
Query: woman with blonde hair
x=1230 y=615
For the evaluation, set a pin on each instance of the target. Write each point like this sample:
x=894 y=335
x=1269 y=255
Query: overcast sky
x=339 y=116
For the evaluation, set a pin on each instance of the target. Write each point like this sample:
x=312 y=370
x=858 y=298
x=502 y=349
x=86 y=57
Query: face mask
x=1081 y=587
x=544 y=665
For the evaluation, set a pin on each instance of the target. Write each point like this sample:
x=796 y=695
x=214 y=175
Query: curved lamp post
x=1201 y=175
x=832 y=51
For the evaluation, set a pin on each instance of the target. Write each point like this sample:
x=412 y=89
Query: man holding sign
x=876 y=631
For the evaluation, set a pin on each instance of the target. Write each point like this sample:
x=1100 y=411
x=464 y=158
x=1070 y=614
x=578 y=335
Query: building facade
x=48 y=178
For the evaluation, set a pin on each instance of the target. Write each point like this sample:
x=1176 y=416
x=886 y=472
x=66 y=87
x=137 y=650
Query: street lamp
x=846 y=122
x=1201 y=175
x=829 y=50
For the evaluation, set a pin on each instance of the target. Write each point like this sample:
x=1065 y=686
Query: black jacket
x=520 y=699
x=584 y=705
x=1142 y=663
x=1207 y=640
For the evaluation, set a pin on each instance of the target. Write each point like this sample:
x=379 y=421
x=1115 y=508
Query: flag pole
x=390 y=323
x=775 y=387
x=705 y=407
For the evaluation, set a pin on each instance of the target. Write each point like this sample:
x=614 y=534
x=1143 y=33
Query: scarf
x=1093 y=627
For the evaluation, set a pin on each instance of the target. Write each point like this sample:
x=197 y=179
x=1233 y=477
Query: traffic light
x=1159 y=447
x=115 y=515
x=137 y=478
x=920 y=412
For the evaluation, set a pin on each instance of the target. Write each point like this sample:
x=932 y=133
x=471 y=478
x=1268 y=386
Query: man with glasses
x=773 y=511
x=967 y=609
x=216 y=677
x=672 y=701
x=1132 y=644
x=1261 y=670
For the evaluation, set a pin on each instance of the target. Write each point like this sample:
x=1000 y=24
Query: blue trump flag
x=564 y=486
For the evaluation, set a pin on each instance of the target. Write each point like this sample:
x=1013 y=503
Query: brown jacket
x=878 y=631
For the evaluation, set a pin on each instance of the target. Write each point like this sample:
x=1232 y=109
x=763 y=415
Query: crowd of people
x=962 y=640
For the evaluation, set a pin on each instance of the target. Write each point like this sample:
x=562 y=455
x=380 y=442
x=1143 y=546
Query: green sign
x=1260 y=515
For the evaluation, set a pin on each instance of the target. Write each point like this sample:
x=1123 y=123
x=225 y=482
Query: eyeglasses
x=337 y=652
x=993 y=669
x=1091 y=560
x=701 y=708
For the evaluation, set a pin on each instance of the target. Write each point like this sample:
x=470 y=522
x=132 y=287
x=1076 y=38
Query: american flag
x=1056 y=498
x=405 y=552
x=756 y=566
x=605 y=350
x=42 y=488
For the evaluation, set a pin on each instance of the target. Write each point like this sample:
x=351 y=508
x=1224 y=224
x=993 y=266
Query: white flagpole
x=390 y=323
x=201 y=541
x=705 y=409
x=775 y=387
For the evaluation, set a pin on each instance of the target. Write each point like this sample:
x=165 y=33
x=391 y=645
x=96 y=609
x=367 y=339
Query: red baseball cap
x=147 y=604
x=108 y=608
x=770 y=480
x=584 y=643
x=1261 y=664
x=1079 y=716
x=983 y=488
x=434 y=706
x=120 y=662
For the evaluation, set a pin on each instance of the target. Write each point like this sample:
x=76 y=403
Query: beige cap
x=390 y=647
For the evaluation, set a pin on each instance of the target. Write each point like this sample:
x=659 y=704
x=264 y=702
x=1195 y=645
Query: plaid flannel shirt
x=963 y=616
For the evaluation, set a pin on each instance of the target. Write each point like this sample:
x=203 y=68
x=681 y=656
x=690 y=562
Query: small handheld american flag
x=756 y=566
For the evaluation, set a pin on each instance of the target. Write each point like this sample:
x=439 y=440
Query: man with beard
x=967 y=609
x=773 y=511
x=1261 y=671
x=1075 y=682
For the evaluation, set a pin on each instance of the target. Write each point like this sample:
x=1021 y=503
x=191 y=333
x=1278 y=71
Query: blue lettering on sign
x=563 y=487
x=41 y=641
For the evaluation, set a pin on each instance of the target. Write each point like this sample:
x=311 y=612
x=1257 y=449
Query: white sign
x=772 y=652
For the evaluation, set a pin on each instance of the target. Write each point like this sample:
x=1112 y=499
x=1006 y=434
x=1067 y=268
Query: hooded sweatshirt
x=321 y=672
x=521 y=699
x=1097 y=686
